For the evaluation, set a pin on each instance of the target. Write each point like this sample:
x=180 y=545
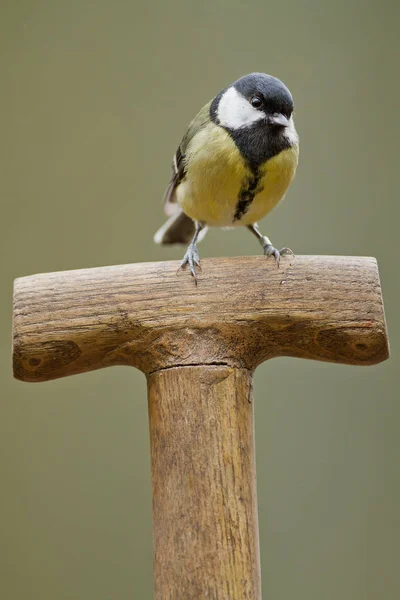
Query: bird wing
x=179 y=163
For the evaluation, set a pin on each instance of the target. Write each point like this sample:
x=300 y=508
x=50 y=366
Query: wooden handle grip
x=243 y=311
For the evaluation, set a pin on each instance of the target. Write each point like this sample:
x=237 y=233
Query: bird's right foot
x=192 y=259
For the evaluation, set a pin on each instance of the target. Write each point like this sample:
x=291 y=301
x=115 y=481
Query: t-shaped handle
x=243 y=312
x=199 y=347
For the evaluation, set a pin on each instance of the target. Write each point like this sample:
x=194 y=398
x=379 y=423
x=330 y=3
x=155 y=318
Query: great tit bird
x=235 y=162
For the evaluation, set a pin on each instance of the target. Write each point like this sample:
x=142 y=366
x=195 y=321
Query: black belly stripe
x=247 y=194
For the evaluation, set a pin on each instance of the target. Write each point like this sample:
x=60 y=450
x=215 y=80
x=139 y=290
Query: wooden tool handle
x=198 y=347
x=205 y=524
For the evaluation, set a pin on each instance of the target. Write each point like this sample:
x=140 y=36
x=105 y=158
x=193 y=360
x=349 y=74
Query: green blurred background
x=95 y=97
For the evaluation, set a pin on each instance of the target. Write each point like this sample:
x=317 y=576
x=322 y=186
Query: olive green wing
x=179 y=162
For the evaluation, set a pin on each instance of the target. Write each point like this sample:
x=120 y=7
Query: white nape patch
x=290 y=132
x=234 y=111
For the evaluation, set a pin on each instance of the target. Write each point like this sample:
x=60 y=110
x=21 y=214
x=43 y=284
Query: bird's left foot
x=269 y=250
x=192 y=259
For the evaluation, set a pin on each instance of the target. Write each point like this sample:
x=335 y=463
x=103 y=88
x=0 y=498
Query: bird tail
x=179 y=229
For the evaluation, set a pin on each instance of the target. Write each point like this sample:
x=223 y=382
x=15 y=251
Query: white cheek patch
x=290 y=132
x=234 y=111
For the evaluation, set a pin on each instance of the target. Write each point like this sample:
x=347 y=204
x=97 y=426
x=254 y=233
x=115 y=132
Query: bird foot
x=269 y=250
x=192 y=259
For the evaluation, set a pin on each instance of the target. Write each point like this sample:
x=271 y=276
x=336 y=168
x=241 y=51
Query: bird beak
x=278 y=120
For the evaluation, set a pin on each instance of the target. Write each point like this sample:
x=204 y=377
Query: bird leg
x=191 y=257
x=265 y=242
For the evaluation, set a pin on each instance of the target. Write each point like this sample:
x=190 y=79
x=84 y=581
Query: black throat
x=258 y=143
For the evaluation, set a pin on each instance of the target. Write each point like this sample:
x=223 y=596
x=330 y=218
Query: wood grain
x=205 y=524
x=243 y=312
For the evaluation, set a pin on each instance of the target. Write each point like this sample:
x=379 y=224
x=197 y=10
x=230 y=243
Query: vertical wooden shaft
x=205 y=522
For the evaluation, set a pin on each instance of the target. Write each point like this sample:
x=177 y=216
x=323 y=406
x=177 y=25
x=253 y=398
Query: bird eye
x=256 y=102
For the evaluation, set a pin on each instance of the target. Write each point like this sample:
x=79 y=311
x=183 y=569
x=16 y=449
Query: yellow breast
x=217 y=173
x=278 y=173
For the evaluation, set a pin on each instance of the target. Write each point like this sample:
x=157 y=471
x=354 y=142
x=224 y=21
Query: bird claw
x=269 y=250
x=192 y=259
